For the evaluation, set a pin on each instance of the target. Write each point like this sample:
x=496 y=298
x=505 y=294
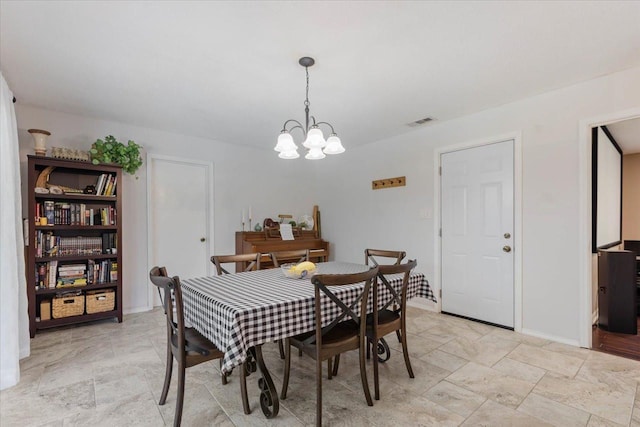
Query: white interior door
x=180 y=216
x=477 y=233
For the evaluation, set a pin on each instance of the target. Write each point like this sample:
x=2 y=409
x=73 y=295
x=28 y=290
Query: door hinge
x=440 y=170
x=440 y=293
x=440 y=232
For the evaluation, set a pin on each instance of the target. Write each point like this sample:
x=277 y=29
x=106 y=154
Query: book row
x=74 y=214
x=106 y=185
x=48 y=244
x=51 y=275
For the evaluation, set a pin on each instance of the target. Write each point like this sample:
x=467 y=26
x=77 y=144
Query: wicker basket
x=45 y=309
x=67 y=305
x=100 y=300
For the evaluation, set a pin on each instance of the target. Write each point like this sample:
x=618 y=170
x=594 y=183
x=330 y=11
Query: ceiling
x=229 y=71
x=627 y=135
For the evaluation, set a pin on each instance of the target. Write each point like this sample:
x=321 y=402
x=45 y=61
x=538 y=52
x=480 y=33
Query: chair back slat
x=253 y=259
x=371 y=256
x=356 y=310
x=296 y=256
x=172 y=302
x=398 y=299
x=171 y=298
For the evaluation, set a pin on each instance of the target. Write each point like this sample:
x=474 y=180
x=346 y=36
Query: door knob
x=507 y=235
x=506 y=248
x=202 y=239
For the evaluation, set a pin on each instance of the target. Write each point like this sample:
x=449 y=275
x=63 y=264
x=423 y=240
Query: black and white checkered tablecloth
x=238 y=311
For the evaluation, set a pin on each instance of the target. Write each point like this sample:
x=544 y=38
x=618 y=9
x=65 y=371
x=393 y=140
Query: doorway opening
x=615 y=285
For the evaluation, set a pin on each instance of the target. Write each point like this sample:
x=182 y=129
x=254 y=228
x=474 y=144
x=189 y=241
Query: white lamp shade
x=334 y=146
x=285 y=143
x=315 y=139
x=315 y=154
x=289 y=154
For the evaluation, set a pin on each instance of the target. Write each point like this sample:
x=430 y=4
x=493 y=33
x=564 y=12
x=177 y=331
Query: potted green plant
x=110 y=150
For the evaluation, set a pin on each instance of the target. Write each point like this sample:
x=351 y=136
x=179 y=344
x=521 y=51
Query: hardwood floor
x=624 y=345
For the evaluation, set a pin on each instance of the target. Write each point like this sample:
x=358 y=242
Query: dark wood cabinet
x=617 y=304
x=81 y=231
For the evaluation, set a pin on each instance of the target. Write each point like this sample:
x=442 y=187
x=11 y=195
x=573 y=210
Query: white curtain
x=14 y=323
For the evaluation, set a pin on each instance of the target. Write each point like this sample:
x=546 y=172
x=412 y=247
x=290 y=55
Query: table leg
x=383 y=350
x=269 y=401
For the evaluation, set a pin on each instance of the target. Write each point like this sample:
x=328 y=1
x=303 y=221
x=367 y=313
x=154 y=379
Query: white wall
x=243 y=177
x=355 y=217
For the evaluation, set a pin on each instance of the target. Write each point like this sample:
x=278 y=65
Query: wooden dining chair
x=186 y=345
x=389 y=314
x=372 y=256
x=345 y=332
x=253 y=261
x=296 y=256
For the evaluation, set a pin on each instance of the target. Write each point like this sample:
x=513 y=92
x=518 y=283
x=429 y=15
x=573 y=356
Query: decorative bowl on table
x=303 y=270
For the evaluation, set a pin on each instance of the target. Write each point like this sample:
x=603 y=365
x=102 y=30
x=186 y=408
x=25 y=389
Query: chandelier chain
x=306 y=101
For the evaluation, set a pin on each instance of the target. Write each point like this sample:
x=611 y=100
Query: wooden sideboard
x=258 y=241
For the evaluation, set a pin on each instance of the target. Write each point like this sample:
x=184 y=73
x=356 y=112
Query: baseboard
x=419 y=303
x=136 y=310
x=555 y=338
x=594 y=318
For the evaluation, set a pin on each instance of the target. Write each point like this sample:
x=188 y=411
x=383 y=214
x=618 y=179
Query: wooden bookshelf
x=76 y=175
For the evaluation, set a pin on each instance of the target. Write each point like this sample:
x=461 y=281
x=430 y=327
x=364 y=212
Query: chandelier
x=314 y=138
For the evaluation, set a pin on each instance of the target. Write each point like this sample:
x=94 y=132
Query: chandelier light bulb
x=289 y=154
x=334 y=146
x=285 y=142
x=315 y=154
x=315 y=138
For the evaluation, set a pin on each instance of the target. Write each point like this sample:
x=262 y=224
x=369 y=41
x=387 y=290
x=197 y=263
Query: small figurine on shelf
x=89 y=189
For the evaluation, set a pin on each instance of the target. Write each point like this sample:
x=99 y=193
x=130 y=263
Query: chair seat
x=195 y=341
x=335 y=337
x=384 y=316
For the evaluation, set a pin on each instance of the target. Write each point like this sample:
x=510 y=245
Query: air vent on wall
x=420 y=122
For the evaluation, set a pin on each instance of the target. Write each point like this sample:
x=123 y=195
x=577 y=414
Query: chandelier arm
x=325 y=123
x=284 y=127
x=299 y=126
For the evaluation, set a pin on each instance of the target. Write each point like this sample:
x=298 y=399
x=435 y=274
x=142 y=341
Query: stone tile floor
x=467 y=373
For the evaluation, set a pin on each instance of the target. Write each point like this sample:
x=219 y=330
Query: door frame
x=584 y=236
x=209 y=167
x=516 y=136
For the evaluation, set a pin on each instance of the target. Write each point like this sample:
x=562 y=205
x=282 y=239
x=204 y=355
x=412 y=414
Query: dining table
x=240 y=312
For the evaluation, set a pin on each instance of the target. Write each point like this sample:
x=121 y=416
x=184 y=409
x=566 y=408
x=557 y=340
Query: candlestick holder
x=242 y=225
x=250 y=225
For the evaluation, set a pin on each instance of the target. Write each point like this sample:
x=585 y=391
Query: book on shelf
x=113 y=188
x=49 y=211
x=63 y=283
x=109 y=241
x=99 y=184
x=113 y=274
x=53 y=267
x=91 y=271
x=107 y=187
